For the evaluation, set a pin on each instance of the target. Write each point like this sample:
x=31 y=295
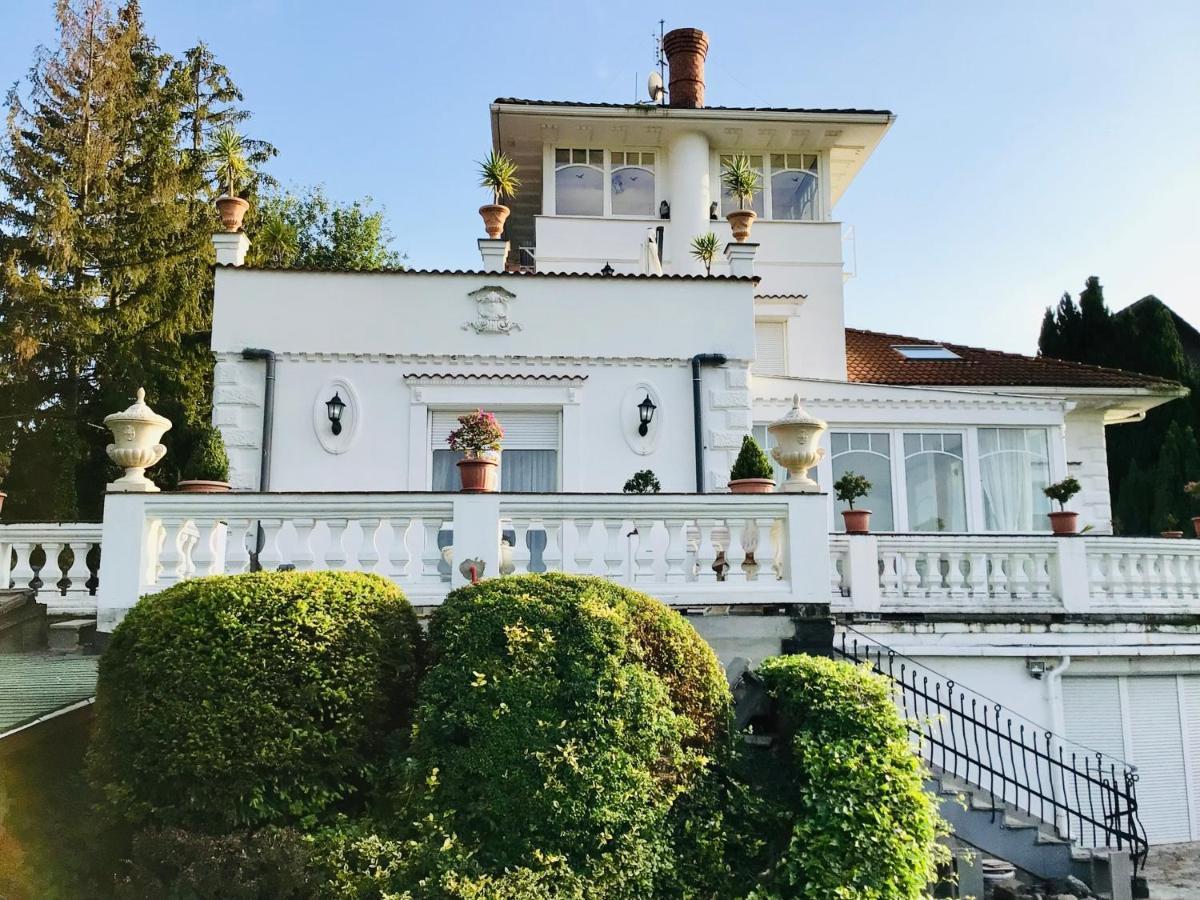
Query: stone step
x=72 y=634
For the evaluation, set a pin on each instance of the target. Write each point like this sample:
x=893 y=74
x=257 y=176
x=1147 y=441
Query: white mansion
x=593 y=302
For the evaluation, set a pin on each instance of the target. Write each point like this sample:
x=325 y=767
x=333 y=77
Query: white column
x=123 y=558
x=807 y=552
x=690 y=195
x=231 y=247
x=1070 y=580
x=494 y=253
x=862 y=572
x=740 y=258
x=476 y=535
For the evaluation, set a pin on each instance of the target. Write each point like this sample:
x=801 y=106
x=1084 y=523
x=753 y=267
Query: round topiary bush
x=851 y=818
x=247 y=700
x=560 y=718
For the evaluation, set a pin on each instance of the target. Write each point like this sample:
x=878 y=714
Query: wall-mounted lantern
x=335 y=405
x=645 y=415
x=608 y=269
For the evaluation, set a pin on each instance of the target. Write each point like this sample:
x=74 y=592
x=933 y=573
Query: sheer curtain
x=1014 y=467
x=526 y=471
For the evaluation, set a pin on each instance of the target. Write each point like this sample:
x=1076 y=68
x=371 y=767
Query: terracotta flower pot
x=1195 y=521
x=3 y=495
x=1064 y=522
x=201 y=486
x=858 y=521
x=478 y=476
x=232 y=211
x=1170 y=534
x=752 y=486
x=741 y=220
x=494 y=217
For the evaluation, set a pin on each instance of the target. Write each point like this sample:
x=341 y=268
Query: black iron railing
x=1089 y=797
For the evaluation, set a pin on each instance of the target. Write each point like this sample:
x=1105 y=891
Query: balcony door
x=529 y=463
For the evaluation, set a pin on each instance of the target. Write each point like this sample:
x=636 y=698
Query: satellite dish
x=654 y=85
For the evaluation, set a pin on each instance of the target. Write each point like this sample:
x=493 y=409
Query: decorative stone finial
x=136 y=433
x=797 y=435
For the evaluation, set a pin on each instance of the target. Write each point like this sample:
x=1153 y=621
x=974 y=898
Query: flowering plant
x=1192 y=489
x=478 y=433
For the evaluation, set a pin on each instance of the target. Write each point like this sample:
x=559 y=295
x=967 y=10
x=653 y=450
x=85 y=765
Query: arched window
x=869 y=455
x=579 y=182
x=632 y=183
x=794 y=186
x=933 y=472
x=728 y=202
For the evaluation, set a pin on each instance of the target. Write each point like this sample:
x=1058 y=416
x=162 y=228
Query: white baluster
x=22 y=570
x=931 y=582
x=368 y=550
x=51 y=572
x=911 y=574
x=676 y=552
x=735 y=553
x=171 y=563
x=431 y=553
x=706 y=553
x=643 y=556
x=1018 y=578
x=552 y=554
x=889 y=578
x=584 y=555
x=269 y=557
x=397 y=560
x=1040 y=584
x=302 y=549
x=78 y=573
x=614 y=551
x=977 y=577
x=956 y=584
x=238 y=543
x=335 y=551
x=998 y=577
x=204 y=553
x=774 y=528
x=521 y=554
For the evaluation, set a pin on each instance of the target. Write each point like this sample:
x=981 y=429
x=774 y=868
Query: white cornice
x=466 y=360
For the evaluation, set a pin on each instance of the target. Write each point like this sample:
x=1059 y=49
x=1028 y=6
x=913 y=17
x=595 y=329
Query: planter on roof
x=232 y=211
x=494 y=216
x=752 y=486
x=741 y=221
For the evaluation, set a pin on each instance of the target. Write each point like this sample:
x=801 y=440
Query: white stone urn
x=135 y=448
x=796 y=438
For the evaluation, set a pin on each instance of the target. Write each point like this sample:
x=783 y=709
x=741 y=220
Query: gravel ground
x=1173 y=871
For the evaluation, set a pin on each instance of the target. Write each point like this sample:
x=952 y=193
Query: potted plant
x=1063 y=521
x=643 y=482
x=704 y=248
x=1172 y=529
x=850 y=487
x=478 y=439
x=742 y=181
x=227 y=156
x=1192 y=489
x=498 y=174
x=207 y=467
x=752 y=472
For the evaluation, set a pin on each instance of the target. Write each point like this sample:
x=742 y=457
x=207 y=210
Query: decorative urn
x=796 y=438
x=135 y=448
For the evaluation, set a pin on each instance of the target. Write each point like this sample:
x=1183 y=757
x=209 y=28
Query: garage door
x=1153 y=722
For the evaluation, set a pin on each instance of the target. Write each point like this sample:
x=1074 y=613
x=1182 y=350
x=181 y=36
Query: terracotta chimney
x=685 y=49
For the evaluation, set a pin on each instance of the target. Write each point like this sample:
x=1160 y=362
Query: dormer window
x=632 y=183
x=579 y=182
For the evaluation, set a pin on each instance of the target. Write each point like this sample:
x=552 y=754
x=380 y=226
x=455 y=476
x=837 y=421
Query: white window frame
x=550 y=182
x=822 y=174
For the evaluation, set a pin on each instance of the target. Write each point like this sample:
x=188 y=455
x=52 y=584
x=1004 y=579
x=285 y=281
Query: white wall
x=1087 y=460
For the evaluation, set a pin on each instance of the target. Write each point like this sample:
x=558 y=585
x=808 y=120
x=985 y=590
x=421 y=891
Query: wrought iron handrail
x=1089 y=797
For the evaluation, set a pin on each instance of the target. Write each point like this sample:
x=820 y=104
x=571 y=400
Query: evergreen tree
x=302 y=229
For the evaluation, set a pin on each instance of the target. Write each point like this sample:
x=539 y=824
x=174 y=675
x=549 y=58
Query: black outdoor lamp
x=645 y=414
x=335 y=405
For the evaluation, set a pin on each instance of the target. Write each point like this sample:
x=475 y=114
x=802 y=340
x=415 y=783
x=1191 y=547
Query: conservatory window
x=529 y=462
x=729 y=203
x=868 y=454
x=579 y=182
x=1014 y=466
x=766 y=440
x=632 y=182
x=794 y=186
x=933 y=473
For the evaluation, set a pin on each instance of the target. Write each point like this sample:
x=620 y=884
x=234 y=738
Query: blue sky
x=1037 y=143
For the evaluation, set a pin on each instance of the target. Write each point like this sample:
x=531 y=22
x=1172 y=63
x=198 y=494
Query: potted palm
x=1192 y=489
x=227 y=156
x=478 y=439
x=1063 y=521
x=850 y=487
x=498 y=174
x=704 y=248
x=752 y=472
x=742 y=180
x=207 y=467
x=643 y=482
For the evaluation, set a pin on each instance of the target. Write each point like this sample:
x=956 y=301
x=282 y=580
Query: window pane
x=876 y=466
x=766 y=441
x=794 y=196
x=728 y=202
x=579 y=191
x=934 y=483
x=648 y=160
x=632 y=192
x=533 y=471
x=562 y=157
x=1014 y=466
x=445 y=471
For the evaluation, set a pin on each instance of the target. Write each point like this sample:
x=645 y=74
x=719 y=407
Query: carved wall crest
x=492 y=311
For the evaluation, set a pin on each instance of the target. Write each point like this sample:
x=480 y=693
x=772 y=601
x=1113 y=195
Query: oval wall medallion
x=639 y=444
x=350 y=415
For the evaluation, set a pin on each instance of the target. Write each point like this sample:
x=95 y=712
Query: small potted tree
x=498 y=174
x=207 y=467
x=752 y=472
x=1063 y=521
x=227 y=156
x=742 y=181
x=704 y=248
x=478 y=439
x=1172 y=529
x=1192 y=489
x=643 y=482
x=850 y=487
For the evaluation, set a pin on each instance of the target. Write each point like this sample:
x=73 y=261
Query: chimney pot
x=685 y=49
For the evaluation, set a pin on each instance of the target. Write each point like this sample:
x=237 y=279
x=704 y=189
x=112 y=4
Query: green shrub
x=751 y=462
x=208 y=460
x=248 y=700
x=559 y=720
x=853 y=819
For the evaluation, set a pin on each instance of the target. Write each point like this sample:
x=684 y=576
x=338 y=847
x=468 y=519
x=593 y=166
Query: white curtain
x=525 y=471
x=1007 y=479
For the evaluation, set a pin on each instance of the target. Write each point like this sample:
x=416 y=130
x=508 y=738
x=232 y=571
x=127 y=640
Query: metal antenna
x=662 y=62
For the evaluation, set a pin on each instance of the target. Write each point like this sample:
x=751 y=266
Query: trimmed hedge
x=853 y=819
x=246 y=700
x=559 y=720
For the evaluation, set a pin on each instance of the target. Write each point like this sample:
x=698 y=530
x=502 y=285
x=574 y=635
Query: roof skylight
x=925 y=351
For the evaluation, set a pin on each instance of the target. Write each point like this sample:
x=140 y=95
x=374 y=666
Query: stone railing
x=683 y=549
x=59 y=561
x=1014 y=573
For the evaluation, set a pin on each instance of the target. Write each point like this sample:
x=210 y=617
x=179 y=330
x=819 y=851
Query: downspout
x=1058 y=724
x=264 y=468
x=701 y=359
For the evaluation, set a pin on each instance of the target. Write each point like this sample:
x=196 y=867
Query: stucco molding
x=473 y=360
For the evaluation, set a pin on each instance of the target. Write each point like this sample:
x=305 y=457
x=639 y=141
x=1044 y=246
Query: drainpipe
x=1058 y=724
x=264 y=469
x=701 y=359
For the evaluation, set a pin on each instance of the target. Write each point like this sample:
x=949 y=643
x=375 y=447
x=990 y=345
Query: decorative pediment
x=492 y=304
